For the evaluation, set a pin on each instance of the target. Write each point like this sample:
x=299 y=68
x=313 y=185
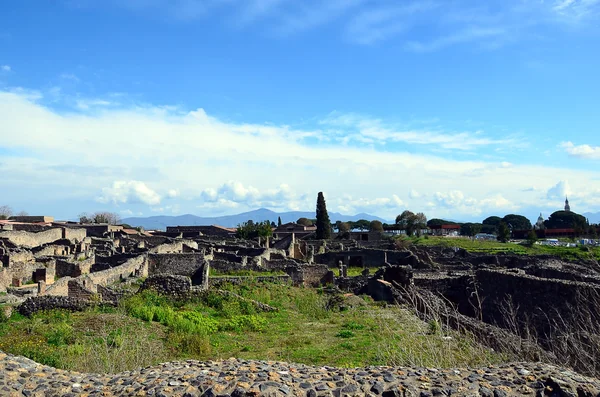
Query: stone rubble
x=20 y=376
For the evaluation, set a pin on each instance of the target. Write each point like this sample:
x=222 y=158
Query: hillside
x=161 y=222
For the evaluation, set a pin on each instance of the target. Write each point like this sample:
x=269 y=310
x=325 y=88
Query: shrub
x=245 y=323
x=353 y=326
x=60 y=334
x=203 y=324
x=345 y=333
x=190 y=343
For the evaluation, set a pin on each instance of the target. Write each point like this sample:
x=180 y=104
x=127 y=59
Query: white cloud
x=559 y=191
x=129 y=192
x=86 y=104
x=461 y=204
x=414 y=194
x=369 y=130
x=172 y=193
x=70 y=77
x=72 y=154
x=5 y=68
x=582 y=151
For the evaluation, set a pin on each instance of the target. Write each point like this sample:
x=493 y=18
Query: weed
x=345 y=333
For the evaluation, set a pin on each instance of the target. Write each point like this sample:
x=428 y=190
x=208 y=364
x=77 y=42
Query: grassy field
x=243 y=273
x=495 y=247
x=308 y=328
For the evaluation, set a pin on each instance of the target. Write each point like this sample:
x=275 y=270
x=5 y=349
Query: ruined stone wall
x=535 y=300
x=185 y=264
x=17 y=257
x=59 y=288
x=152 y=241
x=22 y=271
x=137 y=266
x=174 y=247
x=30 y=227
x=30 y=239
x=72 y=234
x=77 y=290
x=73 y=269
x=368 y=257
x=229 y=257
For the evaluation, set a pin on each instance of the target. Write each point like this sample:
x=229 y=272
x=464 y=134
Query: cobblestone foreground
x=236 y=378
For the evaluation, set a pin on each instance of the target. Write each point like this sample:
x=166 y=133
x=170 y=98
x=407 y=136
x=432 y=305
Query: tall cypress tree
x=323 y=223
x=278 y=221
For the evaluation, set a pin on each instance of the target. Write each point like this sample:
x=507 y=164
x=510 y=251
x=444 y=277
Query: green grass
x=308 y=328
x=352 y=271
x=494 y=247
x=244 y=273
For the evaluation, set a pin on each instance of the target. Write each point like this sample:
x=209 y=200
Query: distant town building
x=539 y=225
x=445 y=230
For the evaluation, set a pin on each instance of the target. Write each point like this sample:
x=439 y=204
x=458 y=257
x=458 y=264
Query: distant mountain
x=161 y=222
x=593 y=217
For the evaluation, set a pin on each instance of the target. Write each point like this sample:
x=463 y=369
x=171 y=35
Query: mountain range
x=161 y=222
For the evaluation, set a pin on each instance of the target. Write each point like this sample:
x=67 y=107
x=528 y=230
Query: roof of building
x=130 y=231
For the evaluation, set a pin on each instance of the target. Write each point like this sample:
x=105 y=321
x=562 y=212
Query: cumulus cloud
x=234 y=193
x=214 y=164
x=129 y=192
x=582 y=151
x=559 y=191
x=457 y=201
x=5 y=68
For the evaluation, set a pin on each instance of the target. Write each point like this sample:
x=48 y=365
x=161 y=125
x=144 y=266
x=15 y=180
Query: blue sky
x=459 y=109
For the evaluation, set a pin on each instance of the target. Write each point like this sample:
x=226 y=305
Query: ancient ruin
x=500 y=299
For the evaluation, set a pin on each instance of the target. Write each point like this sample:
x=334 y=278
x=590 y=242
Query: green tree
x=532 y=237
x=376 y=226
x=411 y=222
x=342 y=227
x=362 y=224
x=517 y=222
x=566 y=220
x=503 y=233
x=470 y=229
x=420 y=222
x=439 y=222
x=323 y=223
x=304 y=222
x=251 y=230
x=112 y=218
x=279 y=221
x=406 y=221
x=490 y=224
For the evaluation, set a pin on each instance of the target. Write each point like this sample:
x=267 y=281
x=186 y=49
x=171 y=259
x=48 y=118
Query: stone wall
x=174 y=247
x=77 y=290
x=30 y=239
x=193 y=265
x=137 y=267
x=66 y=267
x=171 y=285
x=74 y=235
x=41 y=303
x=366 y=258
x=535 y=301
x=219 y=281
